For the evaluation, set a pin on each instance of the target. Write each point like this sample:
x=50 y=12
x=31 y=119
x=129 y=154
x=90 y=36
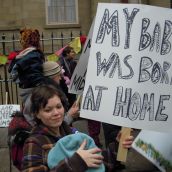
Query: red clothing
x=94 y=131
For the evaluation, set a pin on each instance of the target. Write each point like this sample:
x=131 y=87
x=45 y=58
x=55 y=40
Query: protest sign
x=129 y=73
x=156 y=147
x=5 y=114
x=78 y=78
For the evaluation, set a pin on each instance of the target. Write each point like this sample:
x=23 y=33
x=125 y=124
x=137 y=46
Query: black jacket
x=29 y=69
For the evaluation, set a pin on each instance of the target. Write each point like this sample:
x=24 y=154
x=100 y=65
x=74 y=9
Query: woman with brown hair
x=47 y=105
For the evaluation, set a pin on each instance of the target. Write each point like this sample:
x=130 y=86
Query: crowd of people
x=50 y=109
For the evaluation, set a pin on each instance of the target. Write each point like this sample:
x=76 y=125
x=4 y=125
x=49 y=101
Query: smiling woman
x=48 y=109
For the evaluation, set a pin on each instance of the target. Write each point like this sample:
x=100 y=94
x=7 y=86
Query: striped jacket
x=36 y=150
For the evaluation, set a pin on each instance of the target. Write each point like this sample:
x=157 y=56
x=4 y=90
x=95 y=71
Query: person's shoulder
x=61 y=60
x=36 y=53
x=38 y=139
x=65 y=128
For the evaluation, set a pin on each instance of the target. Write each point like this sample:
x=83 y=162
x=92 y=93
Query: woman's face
x=72 y=54
x=57 y=78
x=53 y=113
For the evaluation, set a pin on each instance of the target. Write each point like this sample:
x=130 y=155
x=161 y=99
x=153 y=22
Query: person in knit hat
x=53 y=73
x=52 y=70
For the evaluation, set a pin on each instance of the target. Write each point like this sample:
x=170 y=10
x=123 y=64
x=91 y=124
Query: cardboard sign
x=129 y=74
x=5 y=114
x=78 y=78
x=156 y=147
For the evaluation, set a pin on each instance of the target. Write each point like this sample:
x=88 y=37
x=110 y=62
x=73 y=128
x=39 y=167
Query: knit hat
x=67 y=146
x=51 y=68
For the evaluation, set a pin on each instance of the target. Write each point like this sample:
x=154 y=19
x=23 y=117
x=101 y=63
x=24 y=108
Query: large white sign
x=5 y=114
x=129 y=74
x=78 y=78
x=156 y=147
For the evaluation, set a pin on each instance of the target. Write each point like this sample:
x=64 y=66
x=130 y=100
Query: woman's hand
x=73 y=111
x=127 y=142
x=90 y=156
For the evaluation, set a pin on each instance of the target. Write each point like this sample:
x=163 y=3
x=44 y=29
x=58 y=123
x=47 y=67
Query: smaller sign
x=78 y=78
x=156 y=147
x=5 y=114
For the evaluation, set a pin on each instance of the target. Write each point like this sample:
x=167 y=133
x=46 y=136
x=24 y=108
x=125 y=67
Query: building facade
x=55 y=15
x=52 y=16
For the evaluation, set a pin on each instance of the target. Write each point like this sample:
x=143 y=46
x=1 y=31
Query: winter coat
x=27 y=69
x=37 y=147
x=41 y=140
x=68 y=65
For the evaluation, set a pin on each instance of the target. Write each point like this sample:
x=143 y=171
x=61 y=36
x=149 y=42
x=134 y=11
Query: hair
x=66 y=51
x=41 y=95
x=30 y=37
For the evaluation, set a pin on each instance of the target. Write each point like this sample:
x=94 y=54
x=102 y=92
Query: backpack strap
x=18 y=123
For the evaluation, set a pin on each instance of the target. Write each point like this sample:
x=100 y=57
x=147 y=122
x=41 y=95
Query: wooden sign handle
x=122 y=152
x=6 y=98
x=78 y=99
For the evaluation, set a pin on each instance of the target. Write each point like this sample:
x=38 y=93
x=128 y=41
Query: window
x=61 y=12
x=127 y=1
x=115 y=1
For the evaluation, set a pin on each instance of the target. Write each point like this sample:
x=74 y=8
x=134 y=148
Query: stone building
x=55 y=15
